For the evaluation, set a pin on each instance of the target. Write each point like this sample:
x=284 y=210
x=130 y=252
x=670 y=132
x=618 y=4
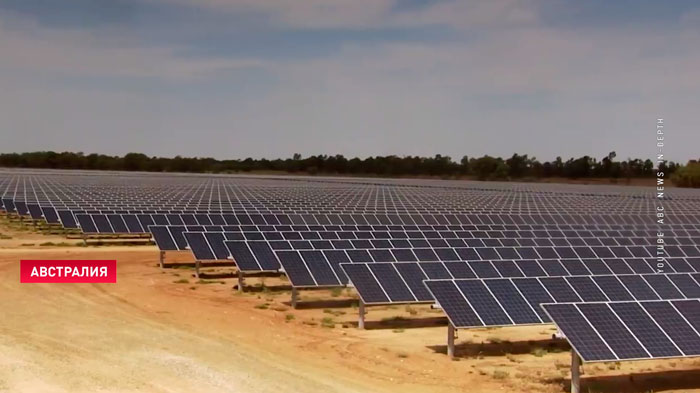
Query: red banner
x=68 y=271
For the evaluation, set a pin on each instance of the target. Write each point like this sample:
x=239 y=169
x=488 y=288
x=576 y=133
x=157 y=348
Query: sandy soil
x=164 y=331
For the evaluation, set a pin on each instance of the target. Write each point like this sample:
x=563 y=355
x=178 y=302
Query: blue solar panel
x=481 y=300
x=613 y=288
x=199 y=246
x=585 y=340
x=515 y=305
x=639 y=288
x=613 y=331
x=162 y=237
x=367 y=285
x=393 y=285
x=644 y=328
x=587 y=289
x=413 y=276
x=451 y=300
x=319 y=268
x=244 y=258
x=675 y=326
x=663 y=286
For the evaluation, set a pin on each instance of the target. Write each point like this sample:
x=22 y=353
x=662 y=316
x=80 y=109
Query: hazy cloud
x=502 y=76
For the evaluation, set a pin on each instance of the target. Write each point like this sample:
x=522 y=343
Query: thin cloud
x=505 y=81
x=34 y=48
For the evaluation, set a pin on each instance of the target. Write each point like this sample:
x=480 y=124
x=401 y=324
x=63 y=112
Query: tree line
x=482 y=168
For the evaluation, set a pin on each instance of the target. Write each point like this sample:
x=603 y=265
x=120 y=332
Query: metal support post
x=575 y=372
x=450 y=340
x=161 y=258
x=241 y=281
x=295 y=297
x=361 y=311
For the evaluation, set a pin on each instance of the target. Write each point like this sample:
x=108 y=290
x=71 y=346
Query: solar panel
x=614 y=331
x=501 y=302
x=163 y=238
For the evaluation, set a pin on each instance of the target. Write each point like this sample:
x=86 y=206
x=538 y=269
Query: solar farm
x=613 y=271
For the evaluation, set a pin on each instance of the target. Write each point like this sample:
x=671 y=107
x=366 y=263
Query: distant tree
x=517 y=165
x=464 y=162
x=486 y=167
x=136 y=162
x=483 y=168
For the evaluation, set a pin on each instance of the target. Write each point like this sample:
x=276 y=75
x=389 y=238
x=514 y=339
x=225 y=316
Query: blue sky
x=264 y=78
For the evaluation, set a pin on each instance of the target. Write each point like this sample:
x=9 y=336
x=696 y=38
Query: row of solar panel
x=128 y=223
x=379 y=219
x=171 y=238
x=516 y=301
x=610 y=331
x=140 y=202
x=203 y=244
x=446 y=254
x=122 y=207
x=308 y=268
x=477 y=238
x=115 y=223
x=350 y=196
x=676 y=217
x=403 y=283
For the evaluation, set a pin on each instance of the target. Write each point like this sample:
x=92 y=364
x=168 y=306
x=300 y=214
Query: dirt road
x=120 y=338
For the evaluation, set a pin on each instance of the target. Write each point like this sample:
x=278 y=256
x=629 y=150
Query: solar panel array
x=489 y=253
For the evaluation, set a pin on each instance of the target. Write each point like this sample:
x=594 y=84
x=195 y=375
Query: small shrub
x=538 y=352
x=687 y=176
x=263 y=306
x=389 y=320
x=499 y=374
x=328 y=322
x=335 y=292
x=210 y=282
x=289 y=317
x=560 y=366
x=182 y=281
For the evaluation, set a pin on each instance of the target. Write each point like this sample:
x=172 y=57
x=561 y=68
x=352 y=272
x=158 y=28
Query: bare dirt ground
x=165 y=331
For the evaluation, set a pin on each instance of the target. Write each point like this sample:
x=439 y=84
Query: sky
x=270 y=78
